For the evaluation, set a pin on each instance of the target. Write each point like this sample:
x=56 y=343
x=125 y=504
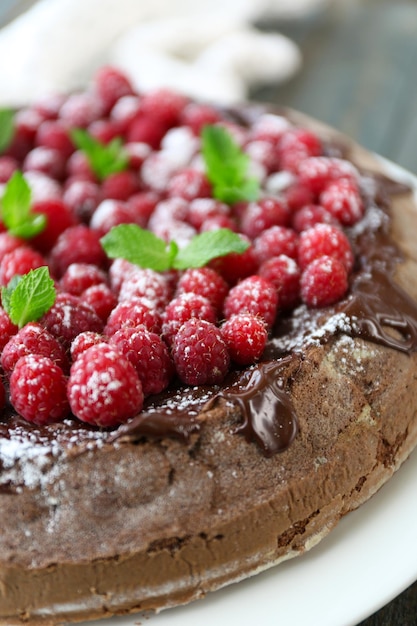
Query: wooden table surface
x=359 y=75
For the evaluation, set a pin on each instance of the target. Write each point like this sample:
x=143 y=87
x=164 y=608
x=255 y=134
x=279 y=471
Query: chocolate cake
x=214 y=481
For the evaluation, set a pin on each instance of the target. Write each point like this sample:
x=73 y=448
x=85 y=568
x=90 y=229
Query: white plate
x=365 y=562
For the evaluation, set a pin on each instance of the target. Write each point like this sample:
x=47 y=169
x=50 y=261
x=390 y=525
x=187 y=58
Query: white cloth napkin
x=208 y=49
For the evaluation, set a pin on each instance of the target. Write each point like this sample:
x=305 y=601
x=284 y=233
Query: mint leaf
x=26 y=298
x=16 y=211
x=143 y=248
x=208 y=246
x=139 y=246
x=6 y=128
x=227 y=166
x=104 y=159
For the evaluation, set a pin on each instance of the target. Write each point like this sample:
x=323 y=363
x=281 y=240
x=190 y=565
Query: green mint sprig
x=6 y=128
x=144 y=248
x=104 y=159
x=227 y=166
x=15 y=209
x=26 y=298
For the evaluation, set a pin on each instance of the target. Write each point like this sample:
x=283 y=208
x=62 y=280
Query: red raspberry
x=245 y=336
x=205 y=282
x=323 y=282
x=110 y=213
x=7 y=328
x=104 y=388
x=183 y=308
x=310 y=215
x=68 y=317
x=324 y=239
x=157 y=170
x=146 y=129
x=80 y=276
x=80 y=110
x=284 y=273
x=164 y=105
x=124 y=111
x=102 y=299
x=110 y=84
x=342 y=199
x=200 y=353
x=253 y=295
x=150 y=286
x=269 y=127
x=8 y=243
x=168 y=211
x=297 y=196
x=8 y=165
x=104 y=130
x=120 y=185
x=119 y=270
x=295 y=145
x=78 y=244
x=236 y=266
x=317 y=172
x=219 y=221
x=54 y=134
x=131 y=313
x=196 y=115
x=82 y=197
x=48 y=106
x=275 y=241
x=201 y=209
x=38 y=390
x=148 y=354
x=189 y=184
x=136 y=152
x=267 y=212
x=33 y=339
x=263 y=152
x=45 y=160
x=19 y=261
x=59 y=217
x=78 y=165
x=83 y=341
x=141 y=206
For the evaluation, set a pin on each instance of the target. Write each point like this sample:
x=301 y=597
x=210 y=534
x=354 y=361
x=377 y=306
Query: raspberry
x=275 y=241
x=324 y=239
x=316 y=173
x=245 y=336
x=148 y=354
x=48 y=106
x=157 y=170
x=78 y=165
x=295 y=145
x=32 y=339
x=120 y=185
x=19 y=261
x=136 y=152
x=200 y=353
x=124 y=111
x=269 y=127
x=218 y=221
x=59 y=217
x=297 y=196
x=236 y=266
x=263 y=152
x=78 y=244
x=83 y=341
x=38 y=390
x=164 y=105
x=110 y=213
x=104 y=388
x=101 y=299
x=183 y=308
x=343 y=200
x=82 y=198
x=8 y=243
x=110 y=84
x=141 y=206
x=310 y=215
x=7 y=328
x=267 y=212
x=205 y=282
x=132 y=313
x=68 y=317
x=146 y=129
x=253 y=295
x=8 y=165
x=80 y=110
x=284 y=273
x=119 y=270
x=189 y=184
x=201 y=209
x=80 y=276
x=323 y=282
x=150 y=286
x=168 y=211
x=196 y=115
x=54 y=134
x=45 y=160
x=104 y=130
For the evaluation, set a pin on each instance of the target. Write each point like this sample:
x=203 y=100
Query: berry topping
x=324 y=239
x=33 y=339
x=205 y=282
x=200 y=353
x=104 y=388
x=253 y=295
x=182 y=308
x=245 y=336
x=323 y=282
x=342 y=199
x=284 y=273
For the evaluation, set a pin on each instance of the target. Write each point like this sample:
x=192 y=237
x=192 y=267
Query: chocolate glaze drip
x=269 y=418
